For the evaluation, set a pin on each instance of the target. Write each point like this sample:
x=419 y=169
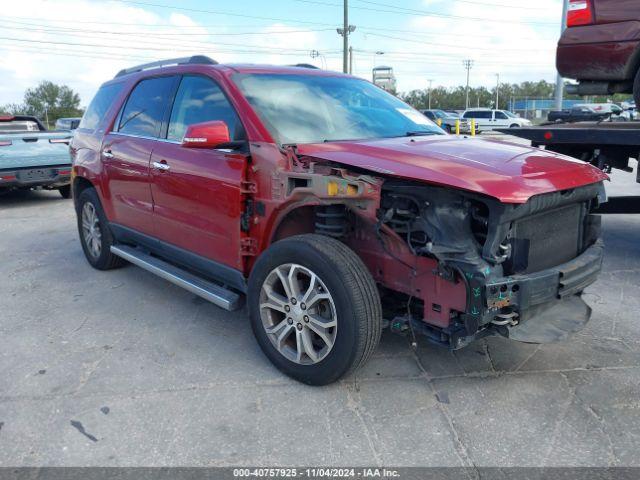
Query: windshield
x=313 y=108
x=509 y=114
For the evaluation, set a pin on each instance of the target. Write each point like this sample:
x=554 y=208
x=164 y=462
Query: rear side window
x=200 y=99
x=99 y=105
x=145 y=107
x=478 y=114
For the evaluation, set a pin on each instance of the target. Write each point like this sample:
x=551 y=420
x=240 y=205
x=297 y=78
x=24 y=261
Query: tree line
x=47 y=101
x=453 y=98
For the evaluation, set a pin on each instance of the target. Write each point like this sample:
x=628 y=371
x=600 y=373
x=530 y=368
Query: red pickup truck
x=601 y=47
x=334 y=209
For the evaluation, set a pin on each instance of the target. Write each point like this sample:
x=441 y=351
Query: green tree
x=11 y=109
x=50 y=101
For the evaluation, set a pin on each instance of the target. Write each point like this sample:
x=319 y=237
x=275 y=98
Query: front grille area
x=546 y=240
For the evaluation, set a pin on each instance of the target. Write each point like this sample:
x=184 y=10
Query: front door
x=126 y=152
x=500 y=119
x=197 y=192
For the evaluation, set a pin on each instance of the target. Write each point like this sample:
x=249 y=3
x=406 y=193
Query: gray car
x=447 y=121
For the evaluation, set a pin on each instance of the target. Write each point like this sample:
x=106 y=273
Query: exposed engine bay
x=516 y=260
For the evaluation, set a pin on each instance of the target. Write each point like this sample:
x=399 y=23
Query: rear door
x=126 y=152
x=482 y=118
x=197 y=192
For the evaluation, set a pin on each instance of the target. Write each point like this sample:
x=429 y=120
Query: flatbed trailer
x=607 y=145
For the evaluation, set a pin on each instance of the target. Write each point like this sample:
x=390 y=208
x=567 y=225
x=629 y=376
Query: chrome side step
x=216 y=294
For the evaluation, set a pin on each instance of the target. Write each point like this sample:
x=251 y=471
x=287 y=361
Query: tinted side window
x=145 y=107
x=200 y=99
x=99 y=105
x=501 y=116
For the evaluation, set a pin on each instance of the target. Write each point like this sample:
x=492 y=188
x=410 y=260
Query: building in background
x=538 y=108
x=384 y=78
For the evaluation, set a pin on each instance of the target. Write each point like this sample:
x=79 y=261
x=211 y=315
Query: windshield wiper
x=420 y=133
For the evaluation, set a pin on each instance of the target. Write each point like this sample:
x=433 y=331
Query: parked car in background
x=67 y=123
x=610 y=108
x=487 y=119
x=330 y=205
x=601 y=47
x=577 y=114
x=448 y=121
x=32 y=157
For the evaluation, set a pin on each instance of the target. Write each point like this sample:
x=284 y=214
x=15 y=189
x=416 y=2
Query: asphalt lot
x=121 y=368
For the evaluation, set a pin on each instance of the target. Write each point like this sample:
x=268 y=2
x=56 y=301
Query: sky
x=82 y=43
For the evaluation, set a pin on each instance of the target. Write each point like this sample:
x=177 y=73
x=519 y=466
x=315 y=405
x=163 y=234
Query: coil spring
x=331 y=220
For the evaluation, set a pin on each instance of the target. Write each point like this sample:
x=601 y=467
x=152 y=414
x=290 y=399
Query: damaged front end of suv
x=522 y=267
x=457 y=265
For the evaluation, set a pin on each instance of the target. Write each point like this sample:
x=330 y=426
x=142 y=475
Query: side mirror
x=206 y=135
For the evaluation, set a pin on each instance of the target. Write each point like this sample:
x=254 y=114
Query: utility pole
x=345 y=32
x=430 y=83
x=467 y=64
x=559 y=79
x=498 y=92
x=350 y=60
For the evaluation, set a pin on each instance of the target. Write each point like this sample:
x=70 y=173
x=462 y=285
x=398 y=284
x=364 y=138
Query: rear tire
x=338 y=328
x=95 y=236
x=65 y=192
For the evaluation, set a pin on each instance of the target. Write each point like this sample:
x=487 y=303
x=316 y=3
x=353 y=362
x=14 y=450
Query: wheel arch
x=79 y=185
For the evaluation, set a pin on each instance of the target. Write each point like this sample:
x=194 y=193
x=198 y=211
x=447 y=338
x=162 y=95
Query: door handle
x=161 y=166
x=107 y=154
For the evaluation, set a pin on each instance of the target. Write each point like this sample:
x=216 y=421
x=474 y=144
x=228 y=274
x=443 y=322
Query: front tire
x=95 y=236
x=514 y=125
x=314 y=308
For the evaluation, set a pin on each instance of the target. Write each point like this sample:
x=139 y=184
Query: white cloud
x=94 y=40
x=513 y=42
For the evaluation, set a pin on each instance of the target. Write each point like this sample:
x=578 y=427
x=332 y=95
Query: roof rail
x=304 y=65
x=193 y=60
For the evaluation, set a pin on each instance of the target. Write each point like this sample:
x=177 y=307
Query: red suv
x=601 y=47
x=334 y=209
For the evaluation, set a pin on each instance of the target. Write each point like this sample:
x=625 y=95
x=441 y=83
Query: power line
x=466 y=47
x=219 y=12
x=173 y=33
x=484 y=4
x=162 y=49
x=405 y=11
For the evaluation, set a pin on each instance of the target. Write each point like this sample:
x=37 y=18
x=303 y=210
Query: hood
x=510 y=172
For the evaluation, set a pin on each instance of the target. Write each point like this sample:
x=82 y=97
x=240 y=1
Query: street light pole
x=430 y=83
x=467 y=64
x=559 y=79
x=498 y=91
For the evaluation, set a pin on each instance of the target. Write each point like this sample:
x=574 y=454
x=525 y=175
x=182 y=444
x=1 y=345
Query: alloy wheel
x=91 y=230
x=298 y=314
